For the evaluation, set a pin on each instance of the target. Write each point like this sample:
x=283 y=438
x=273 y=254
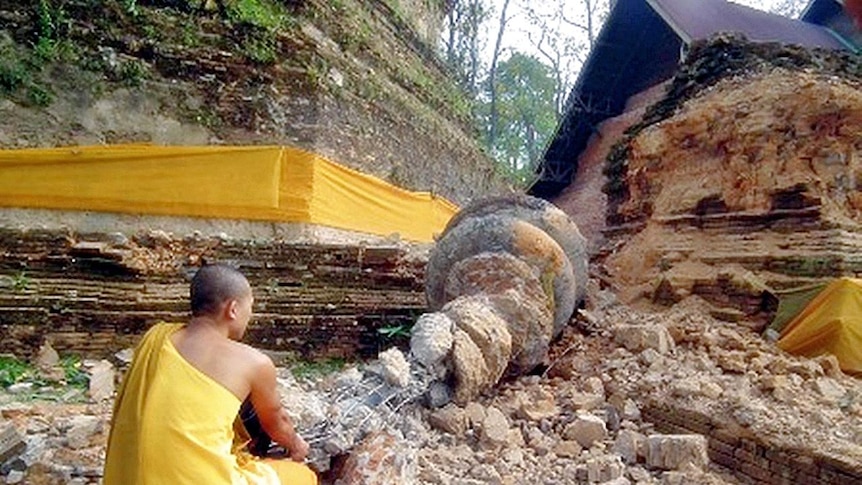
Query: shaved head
x=215 y=284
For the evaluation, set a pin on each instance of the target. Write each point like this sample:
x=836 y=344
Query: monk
x=173 y=421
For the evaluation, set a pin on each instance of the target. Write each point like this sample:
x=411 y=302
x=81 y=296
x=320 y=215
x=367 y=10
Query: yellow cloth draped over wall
x=173 y=425
x=830 y=323
x=264 y=183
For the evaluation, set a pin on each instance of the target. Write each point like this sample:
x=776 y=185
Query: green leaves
x=526 y=115
x=315 y=369
x=13 y=371
x=395 y=331
x=75 y=375
x=260 y=13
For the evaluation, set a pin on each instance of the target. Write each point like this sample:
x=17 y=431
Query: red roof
x=700 y=19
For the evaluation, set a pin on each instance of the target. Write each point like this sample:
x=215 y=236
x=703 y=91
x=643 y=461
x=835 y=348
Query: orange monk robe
x=173 y=425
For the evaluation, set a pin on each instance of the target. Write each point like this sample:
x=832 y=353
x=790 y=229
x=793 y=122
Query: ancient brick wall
x=95 y=294
x=753 y=459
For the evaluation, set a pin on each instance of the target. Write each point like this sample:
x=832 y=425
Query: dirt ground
x=583 y=418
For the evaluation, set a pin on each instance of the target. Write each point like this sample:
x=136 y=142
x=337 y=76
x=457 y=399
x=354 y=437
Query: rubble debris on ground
x=588 y=419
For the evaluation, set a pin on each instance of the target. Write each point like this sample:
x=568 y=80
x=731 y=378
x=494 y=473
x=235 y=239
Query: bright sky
x=519 y=28
x=516 y=35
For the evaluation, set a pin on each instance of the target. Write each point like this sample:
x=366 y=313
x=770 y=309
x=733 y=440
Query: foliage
x=352 y=28
x=133 y=73
x=20 y=282
x=258 y=23
x=52 y=21
x=17 y=80
x=526 y=110
x=13 y=371
x=265 y=14
x=513 y=112
x=130 y=6
x=563 y=36
x=261 y=47
x=75 y=375
x=38 y=95
x=13 y=75
x=463 y=41
x=392 y=332
x=21 y=68
x=314 y=369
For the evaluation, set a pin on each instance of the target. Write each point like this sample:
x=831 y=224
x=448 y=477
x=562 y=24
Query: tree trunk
x=492 y=78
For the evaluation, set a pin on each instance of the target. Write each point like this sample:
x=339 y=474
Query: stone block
x=475 y=414
x=380 y=458
x=602 y=470
x=431 y=338
x=671 y=452
x=14 y=476
x=102 y=378
x=830 y=365
x=637 y=338
x=396 y=369
x=586 y=430
x=568 y=449
x=11 y=441
x=495 y=428
x=538 y=405
x=480 y=328
x=629 y=445
x=586 y=402
x=830 y=389
x=756 y=472
x=450 y=419
x=471 y=373
x=82 y=431
x=726 y=460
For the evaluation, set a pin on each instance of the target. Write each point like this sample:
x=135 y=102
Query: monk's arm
x=273 y=417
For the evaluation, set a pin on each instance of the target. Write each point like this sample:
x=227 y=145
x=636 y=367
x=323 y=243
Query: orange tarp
x=266 y=183
x=831 y=323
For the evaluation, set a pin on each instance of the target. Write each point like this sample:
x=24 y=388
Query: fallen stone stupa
x=504 y=279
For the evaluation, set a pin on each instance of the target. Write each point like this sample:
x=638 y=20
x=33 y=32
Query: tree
x=563 y=35
x=519 y=99
x=526 y=111
x=463 y=41
x=492 y=75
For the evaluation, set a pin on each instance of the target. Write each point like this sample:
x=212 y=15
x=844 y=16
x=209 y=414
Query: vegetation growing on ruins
x=44 y=384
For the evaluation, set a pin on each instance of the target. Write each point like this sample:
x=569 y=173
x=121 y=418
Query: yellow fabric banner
x=249 y=182
x=831 y=323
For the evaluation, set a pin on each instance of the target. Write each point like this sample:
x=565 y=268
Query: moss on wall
x=354 y=80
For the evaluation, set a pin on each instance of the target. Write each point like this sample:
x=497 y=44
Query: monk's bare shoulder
x=251 y=356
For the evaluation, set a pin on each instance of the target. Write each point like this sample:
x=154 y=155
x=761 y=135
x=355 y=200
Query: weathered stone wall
x=95 y=293
x=425 y=16
x=358 y=82
x=752 y=458
x=355 y=81
x=584 y=200
x=744 y=179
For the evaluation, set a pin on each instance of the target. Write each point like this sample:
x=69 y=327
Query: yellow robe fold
x=173 y=425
